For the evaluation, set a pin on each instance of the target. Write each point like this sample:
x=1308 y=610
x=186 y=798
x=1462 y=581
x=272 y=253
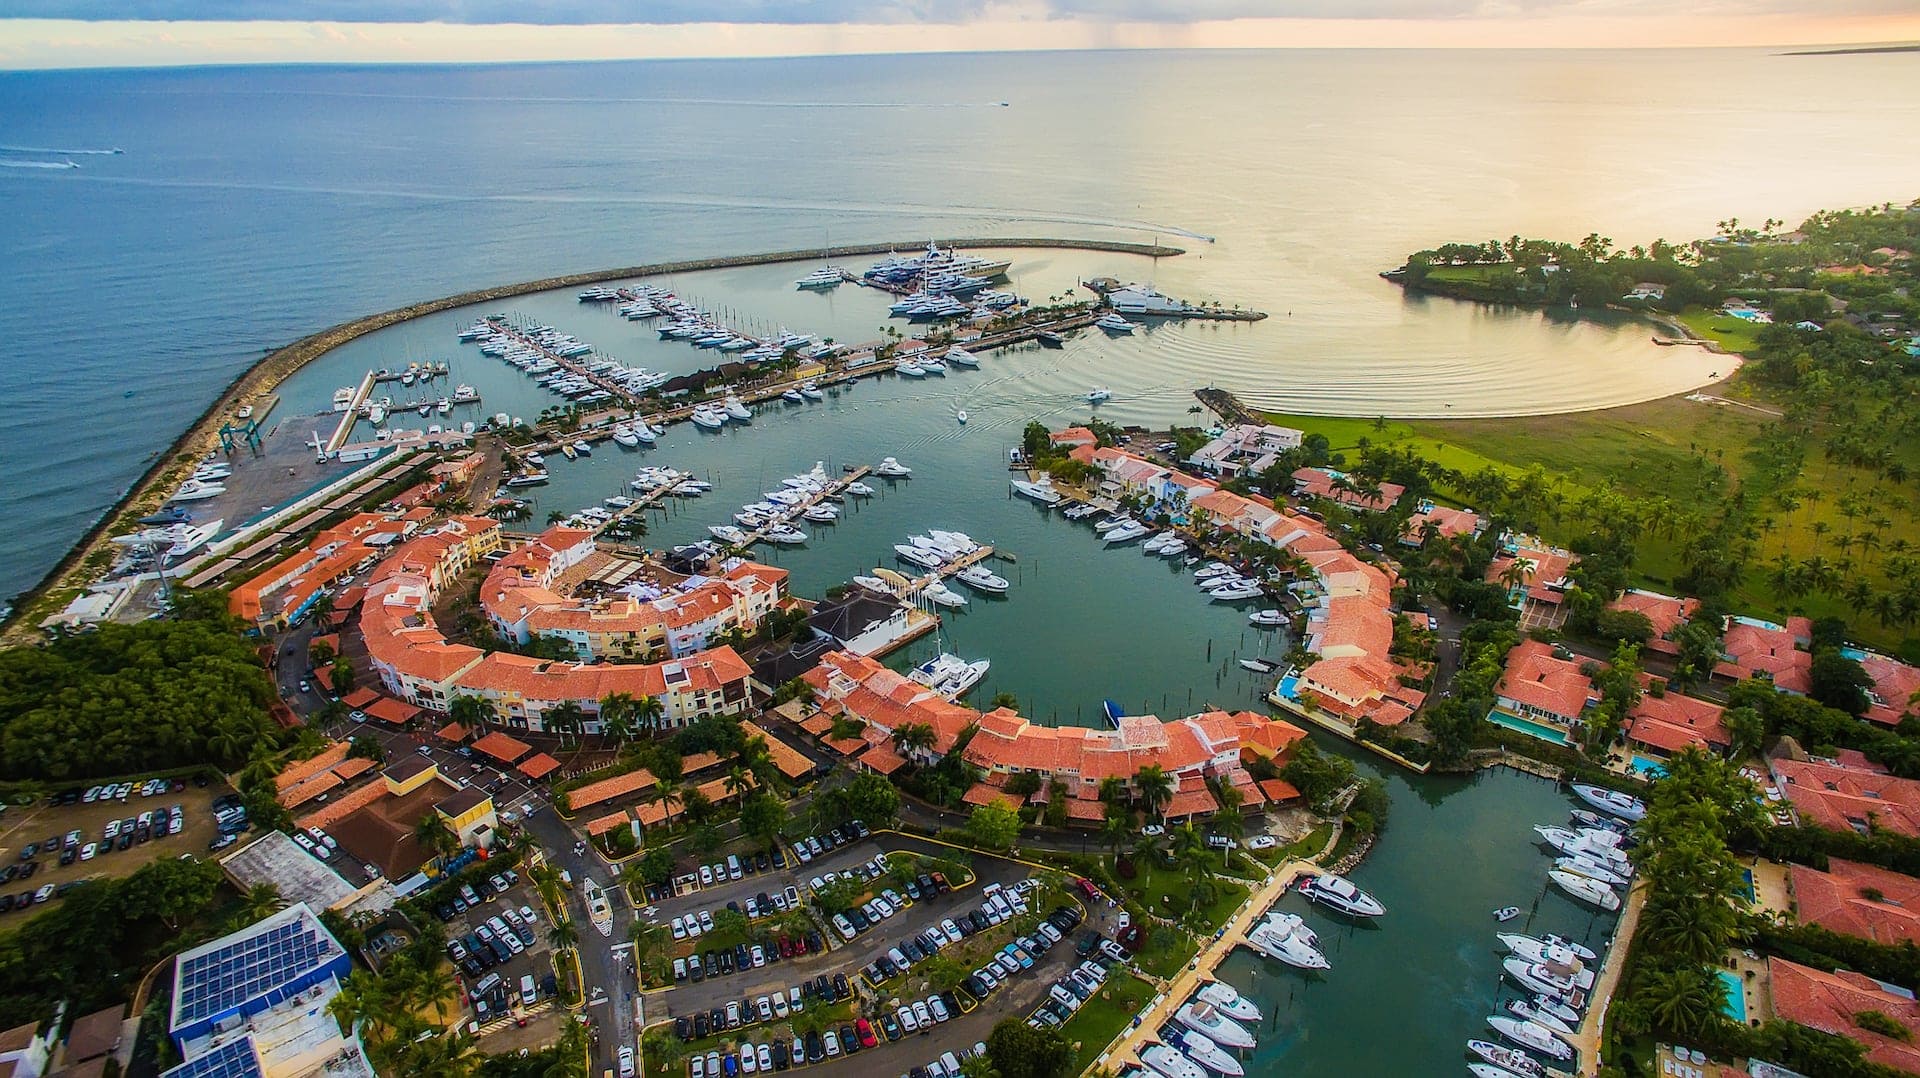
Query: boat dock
x=571 y=364
x=759 y=535
x=352 y=413
x=414 y=372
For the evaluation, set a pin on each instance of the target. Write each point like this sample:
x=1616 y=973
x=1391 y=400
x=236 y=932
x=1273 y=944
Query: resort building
x=1361 y=494
x=284 y=592
x=1896 y=689
x=1535 y=576
x=1072 y=438
x=1853 y=899
x=863 y=622
x=1430 y=521
x=1834 y=1002
x=1245 y=449
x=1670 y=722
x=848 y=683
x=1848 y=795
x=1545 y=690
x=1666 y=614
x=1752 y=648
x=255 y=1003
x=524 y=597
x=417 y=664
x=1162 y=489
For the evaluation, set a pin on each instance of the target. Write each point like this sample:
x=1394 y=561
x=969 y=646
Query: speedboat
x=1521 y=1008
x=728 y=534
x=960 y=357
x=736 y=408
x=528 y=479
x=582 y=448
x=1531 y=1035
x=909 y=368
x=623 y=435
x=1594 y=819
x=786 y=535
x=943 y=595
x=859 y=490
x=1229 y=1002
x=1111 y=523
x=618 y=501
x=1266 y=619
x=1127 y=533
x=1623 y=805
x=874 y=583
x=950 y=675
x=792 y=396
x=1169 y=1063
x=811 y=392
x=645 y=433
x=1549 y=1005
x=1203 y=1051
x=1551 y=950
x=1506 y=913
x=1096 y=395
x=212 y=471
x=979 y=576
x=1580 y=950
x=821 y=514
x=1040 y=490
x=961 y=416
x=1201 y=1016
x=193 y=537
x=195 y=490
x=1339 y=893
x=1209 y=570
x=892 y=469
x=926 y=559
x=933 y=366
x=1274 y=939
x=707 y=418
x=1586 y=889
x=1235 y=593
x=1113 y=323
x=1506 y=1059
x=1259 y=666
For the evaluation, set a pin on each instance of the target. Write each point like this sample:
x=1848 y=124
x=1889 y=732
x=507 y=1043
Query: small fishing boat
x=1260 y=666
x=1506 y=913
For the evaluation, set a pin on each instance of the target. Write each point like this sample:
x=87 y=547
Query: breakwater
x=90 y=555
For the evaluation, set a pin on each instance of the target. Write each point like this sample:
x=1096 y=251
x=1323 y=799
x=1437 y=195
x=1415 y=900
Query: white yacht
x=811 y=392
x=1550 y=950
x=445 y=405
x=909 y=368
x=874 y=583
x=1218 y=1028
x=859 y=489
x=1526 y=1011
x=792 y=396
x=1229 y=1002
x=1488 y=1070
x=1040 y=490
x=212 y=471
x=377 y=412
x=1287 y=942
x=1610 y=874
x=821 y=514
x=1127 y=533
x=195 y=490
x=979 y=576
x=1203 y=1051
x=1267 y=619
x=1339 y=893
x=728 y=534
x=708 y=418
x=581 y=447
x=933 y=366
x=786 y=535
x=1169 y=1063
x=1113 y=323
x=1625 y=806
x=1591 y=843
x=343 y=398
x=1586 y=889
x=736 y=408
x=1098 y=394
x=960 y=357
x=1505 y=1059
x=826 y=277
x=926 y=559
x=193 y=537
x=1531 y=1035
x=892 y=469
x=1548 y=981
x=528 y=479
x=950 y=675
x=943 y=595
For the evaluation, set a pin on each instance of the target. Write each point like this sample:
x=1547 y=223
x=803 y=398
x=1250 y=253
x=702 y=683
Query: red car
x=864 y=1029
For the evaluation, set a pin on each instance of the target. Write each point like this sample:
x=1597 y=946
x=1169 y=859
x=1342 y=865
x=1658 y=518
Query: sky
x=94 y=33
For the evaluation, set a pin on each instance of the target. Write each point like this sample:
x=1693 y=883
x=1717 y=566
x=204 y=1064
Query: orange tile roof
x=1279 y=791
x=981 y=793
x=538 y=766
x=1894 y=687
x=360 y=697
x=1837 y=900
x=1841 y=798
x=502 y=747
x=791 y=761
x=1191 y=800
x=607 y=823
x=1536 y=677
x=817 y=723
x=1318 y=483
x=1829 y=1002
x=354 y=768
x=397 y=712
x=1673 y=722
x=452 y=731
x=1755 y=649
x=595 y=793
x=1086 y=809
x=1664 y=612
x=1447 y=522
x=882 y=758
x=300 y=770
x=308 y=789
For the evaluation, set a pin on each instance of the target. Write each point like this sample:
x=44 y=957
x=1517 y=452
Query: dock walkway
x=834 y=487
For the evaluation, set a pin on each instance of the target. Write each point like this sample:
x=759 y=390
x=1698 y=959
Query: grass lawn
x=1730 y=333
x=1165 y=892
x=1102 y=1018
x=1166 y=951
x=1309 y=844
x=1479 y=274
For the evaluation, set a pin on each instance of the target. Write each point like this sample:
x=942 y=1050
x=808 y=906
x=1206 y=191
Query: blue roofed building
x=253 y=1004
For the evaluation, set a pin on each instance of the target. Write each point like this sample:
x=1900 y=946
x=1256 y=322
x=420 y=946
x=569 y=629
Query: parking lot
x=496 y=943
x=45 y=826
x=874 y=991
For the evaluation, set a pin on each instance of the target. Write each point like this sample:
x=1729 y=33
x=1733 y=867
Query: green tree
x=993 y=826
x=1154 y=787
x=762 y=816
x=1018 y=1050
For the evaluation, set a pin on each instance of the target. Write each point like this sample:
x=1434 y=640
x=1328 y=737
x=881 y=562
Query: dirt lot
x=42 y=820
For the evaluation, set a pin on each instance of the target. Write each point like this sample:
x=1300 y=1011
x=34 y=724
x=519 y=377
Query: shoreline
x=278 y=364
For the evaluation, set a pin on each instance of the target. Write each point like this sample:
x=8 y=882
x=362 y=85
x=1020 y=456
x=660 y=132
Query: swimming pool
x=1652 y=769
x=1524 y=726
x=1288 y=687
x=1735 y=1004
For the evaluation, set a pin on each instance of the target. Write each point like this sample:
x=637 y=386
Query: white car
x=626 y=1061
x=908 y=1022
x=765 y=1053
x=749 y=1062
x=679 y=928
x=1262 y=842
x=706 y=921
x=699 y=1066
x=706 y=875
x=939 y=1008
x=1153 y=829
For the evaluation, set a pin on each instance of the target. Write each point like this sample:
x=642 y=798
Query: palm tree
x=737 y=782
x=666 y=797
x=1154 y=787
x=1113 y=791
x=561 y=934
x=262 y=900
x=617 y=713
x=914 y=737
x=434 y=836
x=648 y=712
x=1114 y=832
x=473 y=712
x=563 y=718
x=1685 y=1000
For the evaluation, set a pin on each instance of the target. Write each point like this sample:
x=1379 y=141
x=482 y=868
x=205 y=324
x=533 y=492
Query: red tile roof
x=609 y=822
x=502 y=747
x=882 y=758
x=1829 y=1001
x=1544 y=567
x=1319 y=483
x=452 y=731
x=1673 y=722
x=1841 y=798
x=537 y=766
x=1279 y=791
x=1837 y=900
x=397 y=712
x=300 y=770
x=1664 y=612
x=1191 y=799
x=983 y=794
x=595 y=793
x=1754 y=649
x=1447 y=522
x=1894 y=687
x=1537 y=678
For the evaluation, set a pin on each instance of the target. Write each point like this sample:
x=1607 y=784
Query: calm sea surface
x=253 y=206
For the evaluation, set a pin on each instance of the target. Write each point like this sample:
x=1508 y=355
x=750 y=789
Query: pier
x=352 y=415
x=832 y=488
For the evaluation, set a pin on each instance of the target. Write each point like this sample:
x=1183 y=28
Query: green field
x=1101 y=1018
x=1732 y=334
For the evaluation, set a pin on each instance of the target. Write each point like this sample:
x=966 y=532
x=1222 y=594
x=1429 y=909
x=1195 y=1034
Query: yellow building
x=469 y=814
x=406 y=775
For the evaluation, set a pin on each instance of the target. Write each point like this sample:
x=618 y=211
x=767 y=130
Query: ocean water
x=254 y=205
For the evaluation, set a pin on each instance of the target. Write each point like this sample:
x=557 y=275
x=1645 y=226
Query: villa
x=1535 y=576
x=1754 y=648
x=1666 y=614
x=1446 y=523
x=1543 y=686
x=1072 y=438
x=1896 y=689
x=1857 y=900
x=1670 y=722
x=1848 y=796
x=1245 y=449
x=1833 y=1002
x=1338 y=487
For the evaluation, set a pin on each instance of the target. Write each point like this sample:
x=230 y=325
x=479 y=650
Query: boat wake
x=59 y=152
x=62 y=165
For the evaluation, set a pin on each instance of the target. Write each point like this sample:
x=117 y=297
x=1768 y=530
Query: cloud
x=898 y=12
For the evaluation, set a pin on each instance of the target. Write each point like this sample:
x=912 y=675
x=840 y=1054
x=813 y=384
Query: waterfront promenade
x=1586 y=1039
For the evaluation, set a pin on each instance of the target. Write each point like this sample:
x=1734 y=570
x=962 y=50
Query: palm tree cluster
x=392 y=1010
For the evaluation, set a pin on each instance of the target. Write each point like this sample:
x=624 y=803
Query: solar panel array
x=227 y=976
x=235 y=1059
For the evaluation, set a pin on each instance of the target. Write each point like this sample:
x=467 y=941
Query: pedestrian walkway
x=1586 y=1040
